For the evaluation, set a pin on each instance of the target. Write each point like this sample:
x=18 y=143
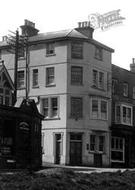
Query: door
x=98 y=160
x=58 y=148
x=76 y=149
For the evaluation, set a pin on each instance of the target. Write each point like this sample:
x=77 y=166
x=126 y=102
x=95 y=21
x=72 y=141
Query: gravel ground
x=67 y=179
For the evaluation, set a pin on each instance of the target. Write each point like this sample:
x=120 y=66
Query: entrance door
x=75 y=149
x=98 y=160
x=58 y=148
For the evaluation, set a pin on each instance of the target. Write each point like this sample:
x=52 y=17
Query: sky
x=54 y=15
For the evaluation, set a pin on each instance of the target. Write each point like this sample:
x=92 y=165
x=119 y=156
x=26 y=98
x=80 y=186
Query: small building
x=20 y=136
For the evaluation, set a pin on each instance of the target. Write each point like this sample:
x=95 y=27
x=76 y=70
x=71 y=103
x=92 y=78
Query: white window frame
x=118 y=150
x=23 y=86
x=125 y=89
x=50 y=49
x=79 y=75
x=48 y=76
x=121 y=114
x=96 y=145
x=33 y=78
x=97 y=83
x=50 y=116
x=99 y=114
x=99 y=53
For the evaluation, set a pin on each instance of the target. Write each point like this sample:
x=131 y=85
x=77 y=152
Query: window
x=117 y=149
x=99 y=109
x=50 y=107
x=35 y=77
x=114 y=86
x=134 y=92
x=97 y=143
x=103 y=109
x=0 y=54
x=50 y=48
x=50 y=76
x=123 y=114
x=76 y=107
x=20 y=79
x=98 y=53
x=125 y=89
x=76 y=75
x=98 y=79
x=21 y=52
x=77 y=50
x=5 y=96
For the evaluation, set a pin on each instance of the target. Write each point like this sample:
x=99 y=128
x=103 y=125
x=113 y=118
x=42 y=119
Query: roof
x=63 y=34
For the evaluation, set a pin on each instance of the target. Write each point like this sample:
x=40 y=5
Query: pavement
x=83 y=169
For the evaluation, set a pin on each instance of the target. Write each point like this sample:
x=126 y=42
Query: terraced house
x=69 y=77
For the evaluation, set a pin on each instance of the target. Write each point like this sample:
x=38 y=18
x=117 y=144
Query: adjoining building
x=123 y=118
x=20 y=128
x=69 y=76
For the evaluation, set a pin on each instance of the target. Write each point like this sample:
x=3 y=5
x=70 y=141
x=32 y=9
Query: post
x=16 y=63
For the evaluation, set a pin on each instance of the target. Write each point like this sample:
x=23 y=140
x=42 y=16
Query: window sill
x=77 y=57
x=96 y=152
x=50 y=85
x=53 y=118
x=78 y=85
x=21 y=58
x=21 y=88
x=76 y=118
x=35 y=86
x=49 y=55
x=98 y=119
x=102 y=89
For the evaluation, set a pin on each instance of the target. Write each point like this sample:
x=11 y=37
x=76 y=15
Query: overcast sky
x=53 y=15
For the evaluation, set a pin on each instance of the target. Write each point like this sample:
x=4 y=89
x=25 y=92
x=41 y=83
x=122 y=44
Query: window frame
x=121 y=120
x=99 y=110
x=50 y=49
x=99 y=53
x=49 y=107
x=24 y=85
x=125 y=89
x=35 y=84
x=97 y=144
x=4 y=95
x=97 y=82
x=74 y=109
x=77 y=81
x=48 y=76
x=76 y=50
x=118 y=149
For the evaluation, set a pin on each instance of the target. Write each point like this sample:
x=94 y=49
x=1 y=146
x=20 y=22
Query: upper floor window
x=5 y=96
x=98 y=79
x=99 y=109
x=50 y=48
x=35 y=77
x=134 y=92
x=76 y=107
x=125 y=89
x=77 y=50
x=114 y=86
x=21 y=52
x=123 y=114
x=97 y=143
x=50 y=77
x=98 y=53
x=20 y=79
x=50 y=107
x=76 y=75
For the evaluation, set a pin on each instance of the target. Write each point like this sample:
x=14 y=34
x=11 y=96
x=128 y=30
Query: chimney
x=28 y=29
x=85 y=28
x=132 y=65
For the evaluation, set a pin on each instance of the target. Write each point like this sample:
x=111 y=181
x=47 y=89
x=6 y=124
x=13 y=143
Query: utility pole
x=17 y=44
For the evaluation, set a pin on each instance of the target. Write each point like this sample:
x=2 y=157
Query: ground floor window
x=97 y=143
x=117 y=149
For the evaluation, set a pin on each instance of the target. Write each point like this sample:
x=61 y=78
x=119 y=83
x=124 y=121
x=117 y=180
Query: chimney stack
x=28 y=29
x=85 y=28
x=132 y=65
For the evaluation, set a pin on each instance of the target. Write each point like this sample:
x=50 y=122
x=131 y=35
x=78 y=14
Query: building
x=20 y=128
x=123 y=120
x=69 y=76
